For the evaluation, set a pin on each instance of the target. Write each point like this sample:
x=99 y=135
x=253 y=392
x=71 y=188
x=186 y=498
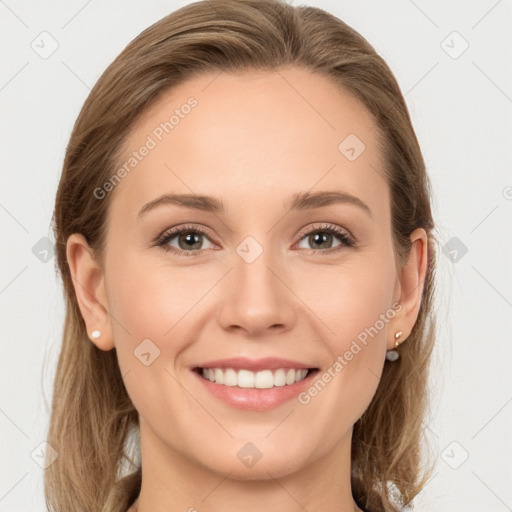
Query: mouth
x=257 y=385
x=247 y=379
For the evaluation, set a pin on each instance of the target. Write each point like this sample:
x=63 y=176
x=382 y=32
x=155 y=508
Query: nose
x=256 y=298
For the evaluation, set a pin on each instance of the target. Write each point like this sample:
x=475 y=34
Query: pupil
x=191 y=239
x=321 y=238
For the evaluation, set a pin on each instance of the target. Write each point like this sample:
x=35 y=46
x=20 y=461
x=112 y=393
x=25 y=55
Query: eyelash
x=341 y=234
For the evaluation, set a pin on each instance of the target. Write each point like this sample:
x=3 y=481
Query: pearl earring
x=95 y=335
x=393 y=355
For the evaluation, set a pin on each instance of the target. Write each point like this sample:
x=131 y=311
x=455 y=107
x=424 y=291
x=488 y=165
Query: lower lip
x=255 y=399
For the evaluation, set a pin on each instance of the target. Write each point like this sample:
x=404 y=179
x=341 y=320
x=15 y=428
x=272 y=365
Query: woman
x=244 y=234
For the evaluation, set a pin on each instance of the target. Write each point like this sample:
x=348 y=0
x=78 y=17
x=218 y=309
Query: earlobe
x=412 y=278
x=89 y=284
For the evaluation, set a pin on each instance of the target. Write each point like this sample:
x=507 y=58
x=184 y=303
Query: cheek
x=354 y=303
x=149 y=302
x=154 y=308
x=150 y=298
x=348 y=298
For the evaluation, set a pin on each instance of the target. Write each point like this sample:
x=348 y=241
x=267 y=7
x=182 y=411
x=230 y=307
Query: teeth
x=245 y=379
x=230 y=377
x=264 y=379
x=219 y=376
x=279 y=377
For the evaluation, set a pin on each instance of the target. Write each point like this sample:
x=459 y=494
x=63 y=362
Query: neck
x=172 y=482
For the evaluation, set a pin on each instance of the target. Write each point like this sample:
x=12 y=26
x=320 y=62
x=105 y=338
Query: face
x=292 y=271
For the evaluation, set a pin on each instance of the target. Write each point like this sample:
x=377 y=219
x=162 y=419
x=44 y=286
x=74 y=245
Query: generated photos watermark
x=343 y=360
x=152 y=141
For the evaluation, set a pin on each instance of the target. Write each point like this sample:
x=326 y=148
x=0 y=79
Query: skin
x=254 y=139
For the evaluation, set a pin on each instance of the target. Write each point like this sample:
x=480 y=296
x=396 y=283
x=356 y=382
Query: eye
x=323 y=237
x=189 y=240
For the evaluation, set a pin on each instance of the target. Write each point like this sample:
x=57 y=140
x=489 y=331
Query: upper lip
x=245 y=363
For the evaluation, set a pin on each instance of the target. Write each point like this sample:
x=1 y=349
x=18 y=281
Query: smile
x=254 y=384
x=264 y=379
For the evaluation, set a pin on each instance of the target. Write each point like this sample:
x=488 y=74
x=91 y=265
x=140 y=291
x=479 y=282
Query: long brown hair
x=92 y=415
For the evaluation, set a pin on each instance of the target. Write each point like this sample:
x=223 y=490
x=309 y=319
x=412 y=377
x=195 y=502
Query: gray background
x=461 y=104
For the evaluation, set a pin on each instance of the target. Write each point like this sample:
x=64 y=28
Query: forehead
x=252 y=136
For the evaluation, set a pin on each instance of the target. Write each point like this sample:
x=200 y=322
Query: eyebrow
x=298 y=202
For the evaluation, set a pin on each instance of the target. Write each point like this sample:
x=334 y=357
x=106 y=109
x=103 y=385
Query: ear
x=89 y=284
x=410 y=285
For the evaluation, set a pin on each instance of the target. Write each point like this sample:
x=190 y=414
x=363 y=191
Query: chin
x=266 y=467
